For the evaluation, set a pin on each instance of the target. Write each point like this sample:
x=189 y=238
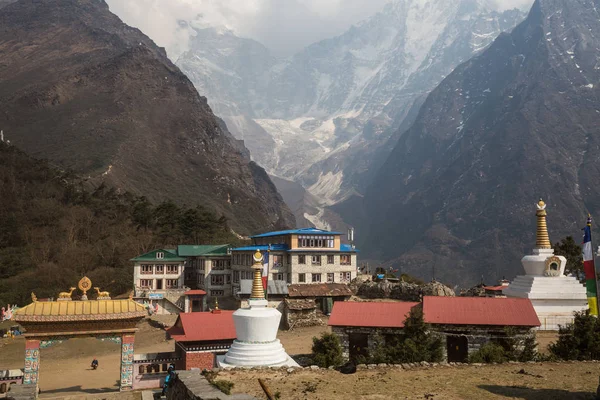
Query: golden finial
x=258 y=293
x=33 y=297
x=542 y=238
x=216 y=304
x=84 y=285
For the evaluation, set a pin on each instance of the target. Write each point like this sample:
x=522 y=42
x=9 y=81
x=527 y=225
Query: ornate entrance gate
x=48 y=323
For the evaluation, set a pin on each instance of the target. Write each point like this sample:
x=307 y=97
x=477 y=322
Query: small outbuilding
x=463 y=323
x=201 y=336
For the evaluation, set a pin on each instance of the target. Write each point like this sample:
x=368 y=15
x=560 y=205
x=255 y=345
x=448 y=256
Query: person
x=94 y=363
x=169 y=379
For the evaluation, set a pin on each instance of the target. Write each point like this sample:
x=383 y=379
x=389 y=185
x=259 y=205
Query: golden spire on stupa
x=258 y=293
x=542 y=239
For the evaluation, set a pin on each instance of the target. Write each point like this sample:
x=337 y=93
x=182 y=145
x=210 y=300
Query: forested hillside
x=53 y=230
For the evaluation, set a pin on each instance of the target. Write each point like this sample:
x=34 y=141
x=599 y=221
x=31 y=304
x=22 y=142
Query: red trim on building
x=195 y=292
x=32 y=344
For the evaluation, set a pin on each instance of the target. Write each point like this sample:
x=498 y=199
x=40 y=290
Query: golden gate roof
x=43 y=311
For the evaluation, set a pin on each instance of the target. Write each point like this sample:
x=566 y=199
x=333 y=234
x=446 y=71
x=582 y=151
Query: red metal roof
x=495 y=288
x=370 y=314
x=203 y=326
x=479 y=311
x=197 y=292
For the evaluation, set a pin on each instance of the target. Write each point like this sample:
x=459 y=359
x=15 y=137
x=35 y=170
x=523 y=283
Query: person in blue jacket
x=169 y=379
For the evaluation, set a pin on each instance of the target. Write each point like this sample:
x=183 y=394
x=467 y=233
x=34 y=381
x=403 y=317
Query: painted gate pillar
x=127 y=362
x=32 y=362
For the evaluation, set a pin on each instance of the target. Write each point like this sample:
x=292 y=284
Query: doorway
x=458 y=348
x=159 y=285
x=359 y=345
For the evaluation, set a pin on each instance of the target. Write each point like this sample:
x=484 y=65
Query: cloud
x=284 y=26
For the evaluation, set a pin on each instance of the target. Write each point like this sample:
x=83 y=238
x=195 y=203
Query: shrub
x=579 y=340
x=327 y=351
x=223 y=386
x=415 y=344
x=489 y=353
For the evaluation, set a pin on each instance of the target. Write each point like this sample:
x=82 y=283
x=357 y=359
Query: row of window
x=316 y=278
x=158 y=284
x=149 y=269
x=246 y=259
x=316 y=241
x=345 y=259
x=243 y=275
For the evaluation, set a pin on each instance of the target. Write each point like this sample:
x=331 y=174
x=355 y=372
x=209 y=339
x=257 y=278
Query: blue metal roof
x=263 y=247
x=303 y=231
x=347 y=247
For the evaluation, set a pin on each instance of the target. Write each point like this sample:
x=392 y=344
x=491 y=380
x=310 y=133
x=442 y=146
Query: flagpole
x=591 y=283
x=594 y=258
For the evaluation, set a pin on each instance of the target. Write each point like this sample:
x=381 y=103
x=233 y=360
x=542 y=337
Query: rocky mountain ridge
x=516 y=123
x=86 y=91
x=326 y=114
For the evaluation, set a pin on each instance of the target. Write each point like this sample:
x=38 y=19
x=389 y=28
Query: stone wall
x=344 y=332
x=191 y=385
x=200 y=360
x=301 y=313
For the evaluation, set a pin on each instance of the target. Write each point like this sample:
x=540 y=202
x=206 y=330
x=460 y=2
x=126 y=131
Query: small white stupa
x=256 y=330
x=555 y=297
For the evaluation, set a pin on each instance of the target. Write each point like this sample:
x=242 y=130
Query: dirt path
x=65 y=368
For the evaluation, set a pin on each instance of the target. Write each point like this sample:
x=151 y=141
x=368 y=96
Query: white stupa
x=555 y=297
x=256 y=330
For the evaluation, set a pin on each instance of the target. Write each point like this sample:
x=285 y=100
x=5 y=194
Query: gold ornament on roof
x=542 y=238
x=66 y=295
x=216 y=304
x=33 y=297
x=258 y=292
x=84 y=285
x=102 y=294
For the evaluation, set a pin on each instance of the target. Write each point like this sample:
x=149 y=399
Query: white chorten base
x=554 y=299
x=256 y=344
x=243 y=354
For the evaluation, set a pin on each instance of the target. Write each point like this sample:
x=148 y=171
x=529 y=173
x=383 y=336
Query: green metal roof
x=202 y=250
x=169 y=255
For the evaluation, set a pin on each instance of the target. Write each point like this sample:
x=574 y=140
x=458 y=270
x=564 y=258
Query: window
x=246 y=274
x=146 y=283
x=330 y=259
x=301 y=278
x=316 y=277
x=146 y=269
x=345 y=259
x=345 y=276
x=221 y=265
x=172 y=269
x=172 y=283
x=330 y=278
x=160 y=255
x=228 y=279
x=217 y=279
x=277 y=277
x=215 y=293
x=277 y=260
x=159 y=269
x=201 y=279
x=316 y=260
x=289 y=278
x=316 y=241
x=236 y=276
x=201 y=264
x=301 y=259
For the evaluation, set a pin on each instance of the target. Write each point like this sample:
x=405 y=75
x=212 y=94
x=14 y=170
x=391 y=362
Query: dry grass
x=546 y=381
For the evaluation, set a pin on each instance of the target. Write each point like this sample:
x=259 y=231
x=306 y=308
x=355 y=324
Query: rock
x=361 y=366
x=290 y=370
x=314 y=367
x=371 y=366
x=382 y=365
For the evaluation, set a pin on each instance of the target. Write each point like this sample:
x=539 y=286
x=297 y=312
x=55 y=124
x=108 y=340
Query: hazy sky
x=285 y=26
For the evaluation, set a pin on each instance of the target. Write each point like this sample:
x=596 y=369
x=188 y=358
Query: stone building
x=357 y=323
x=463 y=323
x=201 y=336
